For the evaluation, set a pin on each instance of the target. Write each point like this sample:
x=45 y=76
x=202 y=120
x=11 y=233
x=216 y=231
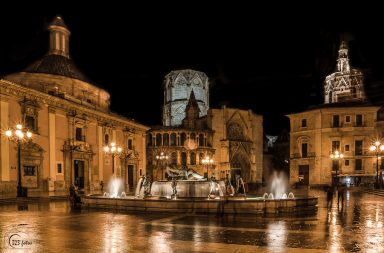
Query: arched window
x=193 y=158
x=192 y=136
x=201 y=140
x=183 y=136
x=173 y=139
x=174 y=158
x=183 y=158
x=106 y=139
x=149 y=140
x=166 y=139
x=158 y=139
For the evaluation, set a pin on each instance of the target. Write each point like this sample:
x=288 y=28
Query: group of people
x=340 y=189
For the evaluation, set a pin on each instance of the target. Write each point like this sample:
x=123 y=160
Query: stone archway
x=240 y=163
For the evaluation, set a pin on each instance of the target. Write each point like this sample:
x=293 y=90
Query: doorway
x=304 y=174
x=130 y=177
x=234 y=173
x=79 y=173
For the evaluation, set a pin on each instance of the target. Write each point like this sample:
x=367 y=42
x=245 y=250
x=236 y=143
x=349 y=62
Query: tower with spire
x=59 y=37
x=346 y=83
x=178 y=86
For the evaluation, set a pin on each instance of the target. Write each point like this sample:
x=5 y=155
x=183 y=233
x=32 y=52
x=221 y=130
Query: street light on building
x=161 y=159
x=336 y=155
x=113 y=150
x=377 y=148
x=18 y=135
x=207 y=161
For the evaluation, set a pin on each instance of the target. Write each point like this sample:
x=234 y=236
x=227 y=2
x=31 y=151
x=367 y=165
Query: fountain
x=279 y=183
x=190 y=192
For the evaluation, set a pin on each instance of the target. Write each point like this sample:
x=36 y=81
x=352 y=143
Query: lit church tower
x=346 y=83
x=178 y=86
x=59 y=37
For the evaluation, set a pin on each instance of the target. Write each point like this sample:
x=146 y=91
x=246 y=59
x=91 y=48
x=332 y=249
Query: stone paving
x=355 y=226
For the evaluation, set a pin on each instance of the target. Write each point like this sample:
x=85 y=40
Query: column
x=4 y=155
x=100 y=152
x=143 y=158
x=52 y=143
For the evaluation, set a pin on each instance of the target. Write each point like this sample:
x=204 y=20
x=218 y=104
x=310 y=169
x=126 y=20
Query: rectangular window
x=130 y=146
x=79 y=134
x=304 y=150
x=358 y=147
x=346 y=162
x=59 y=168
x=358 y=164
x=335 y=146
x=30 y=123
x=348 y=119
x=29 y=170
x=359 y=120
x=335 y=121
x=346 y=147
x=304 y=123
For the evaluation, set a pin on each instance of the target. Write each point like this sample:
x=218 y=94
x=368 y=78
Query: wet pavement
x=357 y=226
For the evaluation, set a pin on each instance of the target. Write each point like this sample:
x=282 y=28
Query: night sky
x=273 y=70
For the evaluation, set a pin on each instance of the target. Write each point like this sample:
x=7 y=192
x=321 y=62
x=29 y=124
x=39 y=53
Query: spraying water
x=115 y=187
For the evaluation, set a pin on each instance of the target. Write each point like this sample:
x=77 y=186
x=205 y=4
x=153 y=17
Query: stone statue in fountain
x=240 y=189
x=182 y=173
x=174 y=190
x=146 y=184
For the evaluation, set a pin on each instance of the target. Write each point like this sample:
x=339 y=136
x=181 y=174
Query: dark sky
x=271 y=69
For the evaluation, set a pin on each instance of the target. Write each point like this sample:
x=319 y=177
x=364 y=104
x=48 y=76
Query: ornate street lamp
x=18 y=135
x=377 y=148
x=162 y=158
x=113 y=150
x=207 y=161
x=336 y=155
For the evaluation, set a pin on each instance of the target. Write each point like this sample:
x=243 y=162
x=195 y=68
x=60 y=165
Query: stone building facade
x=71 y=123
x=232 y=137
x=346 y=123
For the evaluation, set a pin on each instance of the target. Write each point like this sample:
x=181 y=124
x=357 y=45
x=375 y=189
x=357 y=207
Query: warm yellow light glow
x=18 y=133
x=8 y=133
x=341 y=155
x=119 y=149
x=382 y=147
x=332 y=156
x=113 y=149
x=106 y=149
x=377 y=143
x=113 y=144
x=29 y=134
x=19 y=126
x=372 y=148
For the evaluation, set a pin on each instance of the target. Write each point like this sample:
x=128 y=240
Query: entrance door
x=304 y=174
x=79 y=173
x=130 y=176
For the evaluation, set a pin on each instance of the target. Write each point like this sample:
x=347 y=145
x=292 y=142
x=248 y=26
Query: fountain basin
x=223 y=205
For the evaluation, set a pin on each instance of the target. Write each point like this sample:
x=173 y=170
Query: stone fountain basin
x=224 y=205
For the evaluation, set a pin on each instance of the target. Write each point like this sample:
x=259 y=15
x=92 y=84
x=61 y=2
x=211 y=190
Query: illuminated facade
x=346 y=122
x=232 y=137
x=178 y=86
x=71 y=122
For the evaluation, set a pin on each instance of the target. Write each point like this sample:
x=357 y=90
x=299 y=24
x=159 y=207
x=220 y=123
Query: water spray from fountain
x=115 y=187
x=278 y=187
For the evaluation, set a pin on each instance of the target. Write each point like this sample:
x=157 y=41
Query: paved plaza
x=357 y=226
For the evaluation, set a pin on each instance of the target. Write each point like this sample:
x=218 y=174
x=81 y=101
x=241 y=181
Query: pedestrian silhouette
x=329 y=196
x=340 y=195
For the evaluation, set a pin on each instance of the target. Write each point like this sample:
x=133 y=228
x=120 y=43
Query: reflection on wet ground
x=355 y=226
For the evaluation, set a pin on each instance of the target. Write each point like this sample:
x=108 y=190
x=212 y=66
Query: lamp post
x=207 y=161
x=161 y=158
x=377 y=148
x=337 y=156
x=18 y=135
x=113 y=150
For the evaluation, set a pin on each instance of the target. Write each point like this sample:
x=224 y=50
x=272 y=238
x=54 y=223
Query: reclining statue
x=183 y=173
